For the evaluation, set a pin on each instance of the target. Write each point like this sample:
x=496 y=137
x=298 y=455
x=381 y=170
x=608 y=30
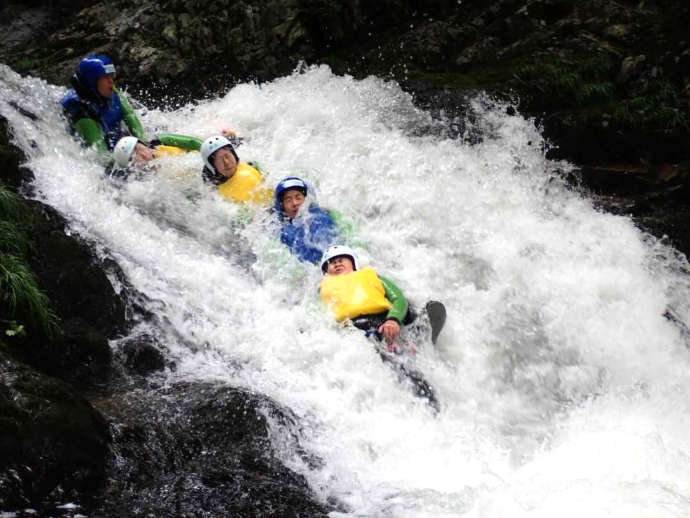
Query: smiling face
x=224 y=161
x=104 y=85
x=340 y=265
x=292 y=201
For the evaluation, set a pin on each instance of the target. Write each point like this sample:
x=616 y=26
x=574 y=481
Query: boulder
x=53 y=443
x=200 y=448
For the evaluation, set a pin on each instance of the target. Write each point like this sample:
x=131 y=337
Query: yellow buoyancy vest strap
x=354 y=294
x=163 y=150
x=245 y=185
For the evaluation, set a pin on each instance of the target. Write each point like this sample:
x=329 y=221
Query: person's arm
x=130 y=118
x=90 y=132
x=323 y=230
x=182 y=141
x=322 y=234
x=390 y=329
x=396 y=297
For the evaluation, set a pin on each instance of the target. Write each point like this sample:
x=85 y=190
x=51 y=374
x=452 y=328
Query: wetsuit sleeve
x=181 y=141
x=90 y=132
x=396 y=297
x=131 y=120
x=256 y=166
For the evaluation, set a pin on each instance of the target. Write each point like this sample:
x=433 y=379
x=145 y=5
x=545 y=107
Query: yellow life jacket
x=245 y=185
x=354 y=294
x=163 y=150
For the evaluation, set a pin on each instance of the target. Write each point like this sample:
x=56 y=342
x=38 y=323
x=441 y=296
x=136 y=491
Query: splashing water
x=564 y=389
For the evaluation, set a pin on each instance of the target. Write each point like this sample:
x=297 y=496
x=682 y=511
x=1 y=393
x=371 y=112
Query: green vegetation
x=657 y=108
x=24 y=309
x=568 y=82
x=581 y=88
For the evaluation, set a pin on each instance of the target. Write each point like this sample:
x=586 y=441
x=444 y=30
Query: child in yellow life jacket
x=237 y=181
x=370 y=301
x=377 y=306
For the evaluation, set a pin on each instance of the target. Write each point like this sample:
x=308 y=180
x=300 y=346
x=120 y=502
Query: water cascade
x=563 y=386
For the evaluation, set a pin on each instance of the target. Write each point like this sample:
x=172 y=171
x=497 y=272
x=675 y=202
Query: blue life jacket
x=107 y=112
x=309 y=234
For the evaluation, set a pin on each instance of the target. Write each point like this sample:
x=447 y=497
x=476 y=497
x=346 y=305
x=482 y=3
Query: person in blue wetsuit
x=96 y=109
x=307 y=229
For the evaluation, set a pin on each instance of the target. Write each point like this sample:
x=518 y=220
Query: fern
x=21 y=297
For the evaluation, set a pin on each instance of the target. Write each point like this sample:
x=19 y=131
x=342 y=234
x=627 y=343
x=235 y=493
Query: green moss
x=26 y=64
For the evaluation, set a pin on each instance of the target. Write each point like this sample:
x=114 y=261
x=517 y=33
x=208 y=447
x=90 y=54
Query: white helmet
x=337 y=251
x=213 y=144
x=124 y=149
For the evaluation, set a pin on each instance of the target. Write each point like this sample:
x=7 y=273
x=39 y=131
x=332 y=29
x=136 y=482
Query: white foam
x=564 y=389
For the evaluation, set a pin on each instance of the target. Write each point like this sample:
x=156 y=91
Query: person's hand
x=143 y=153
x=390 y=330
x=228 y=133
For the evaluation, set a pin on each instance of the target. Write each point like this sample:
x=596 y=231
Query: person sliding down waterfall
x=307 y=230
x=377 y=306
x=130 y=152
x=237 y=181
x=95 y=108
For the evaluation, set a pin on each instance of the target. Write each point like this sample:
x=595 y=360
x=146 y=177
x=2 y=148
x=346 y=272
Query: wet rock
x=71 y=275
x=80 y=292
x=10 y=172
x=198 y=448
x=479 y=52
x=142 y=355
x=631 y=66
x=52 y=441
x=683 y=62
x=618 y=31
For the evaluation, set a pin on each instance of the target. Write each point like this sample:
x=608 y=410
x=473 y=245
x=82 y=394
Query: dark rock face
x=610 y=81
x=75 y=281
x=72 y=277
x=142 y=355
x=53 y=444
x=656 y=196
x=202 y=450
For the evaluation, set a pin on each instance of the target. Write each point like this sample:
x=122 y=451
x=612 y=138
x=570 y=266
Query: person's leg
x=420 y=386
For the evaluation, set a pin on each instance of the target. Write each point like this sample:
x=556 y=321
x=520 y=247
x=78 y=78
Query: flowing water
x=563 y=387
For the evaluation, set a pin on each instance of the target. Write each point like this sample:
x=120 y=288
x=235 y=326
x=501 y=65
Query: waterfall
x=563 y=387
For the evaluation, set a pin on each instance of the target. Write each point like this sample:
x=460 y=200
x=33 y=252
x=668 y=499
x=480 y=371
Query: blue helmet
x=286 y=184
x=91 y=68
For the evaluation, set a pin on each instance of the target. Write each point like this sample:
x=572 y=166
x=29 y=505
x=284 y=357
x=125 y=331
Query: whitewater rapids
x=564 y=389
